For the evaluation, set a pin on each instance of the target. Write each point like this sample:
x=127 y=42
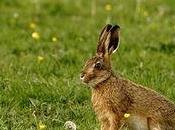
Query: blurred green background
x=44 y=44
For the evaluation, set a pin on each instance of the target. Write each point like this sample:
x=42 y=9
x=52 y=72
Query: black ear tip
x=116 y=27
x=108 y=27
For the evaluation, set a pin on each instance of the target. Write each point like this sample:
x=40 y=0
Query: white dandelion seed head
x=69 y=125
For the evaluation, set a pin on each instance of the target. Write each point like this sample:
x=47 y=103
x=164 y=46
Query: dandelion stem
x=93 y=7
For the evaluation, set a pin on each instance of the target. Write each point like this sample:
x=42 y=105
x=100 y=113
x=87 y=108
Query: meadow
x=44 y=44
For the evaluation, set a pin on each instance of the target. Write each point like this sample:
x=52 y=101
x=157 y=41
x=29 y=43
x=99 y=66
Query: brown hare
x=113 y=96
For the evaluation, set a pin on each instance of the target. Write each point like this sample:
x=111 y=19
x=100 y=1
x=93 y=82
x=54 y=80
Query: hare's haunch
x=113 y=97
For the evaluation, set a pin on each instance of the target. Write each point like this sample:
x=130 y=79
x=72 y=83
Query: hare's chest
x=101 y=106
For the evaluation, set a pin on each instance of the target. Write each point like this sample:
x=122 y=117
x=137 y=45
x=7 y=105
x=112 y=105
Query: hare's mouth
x=90 y=82
x=87 y=80
x=84 y=80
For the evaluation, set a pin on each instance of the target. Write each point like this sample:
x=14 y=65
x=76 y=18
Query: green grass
x=52 y=87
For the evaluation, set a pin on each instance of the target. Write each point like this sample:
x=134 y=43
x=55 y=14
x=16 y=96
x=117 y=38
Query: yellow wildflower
x=54 y=39
x=40 y=58
x=36 y=35
x=32 y=25
x=126 y=115
x=41 y=126
x=108 y=7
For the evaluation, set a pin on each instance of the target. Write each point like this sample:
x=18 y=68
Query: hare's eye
x=98 y=65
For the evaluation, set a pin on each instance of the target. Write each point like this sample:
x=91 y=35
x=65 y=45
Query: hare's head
x=98 y=68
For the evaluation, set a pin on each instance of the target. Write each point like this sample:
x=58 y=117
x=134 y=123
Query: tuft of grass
x=41 y=73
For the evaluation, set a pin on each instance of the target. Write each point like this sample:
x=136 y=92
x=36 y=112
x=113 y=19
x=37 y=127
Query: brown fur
x=113 y=96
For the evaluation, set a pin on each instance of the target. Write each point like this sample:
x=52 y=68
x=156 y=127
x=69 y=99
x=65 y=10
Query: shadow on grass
x=167 y=48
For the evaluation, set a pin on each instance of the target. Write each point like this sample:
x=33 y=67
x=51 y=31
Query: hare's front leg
x=153 y=125
x=114 y=122
x=105 y=124
x=109 y=121
x=110 y=125
x=114 y=125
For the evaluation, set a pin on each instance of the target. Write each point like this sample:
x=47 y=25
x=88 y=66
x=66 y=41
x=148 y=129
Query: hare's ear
x=102 y=38
x=104 y=31
x=112 y=40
